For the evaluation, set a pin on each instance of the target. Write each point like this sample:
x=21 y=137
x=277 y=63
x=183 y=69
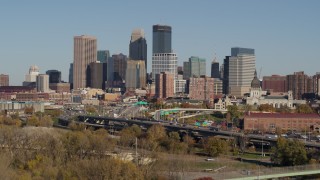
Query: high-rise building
x=135 y=75
x=138 y=46
x=42 y=83
x=85 y=52
x=298 y=84
x=164 y=62
x=225 y=80
x=242 y=66
x=275 y=83
x=98 y=75
x=195 y=67
x=117 y=66
x=164 y=85
x=162 y=39
x=218 y=86
x=33 y=73
x=54 y=76
x=4 y=80
x=103 y=56
x=215 y=72
x=201 y=88
x=71 y=75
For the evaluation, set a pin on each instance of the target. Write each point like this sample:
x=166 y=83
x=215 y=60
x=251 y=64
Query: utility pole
x=136 y=150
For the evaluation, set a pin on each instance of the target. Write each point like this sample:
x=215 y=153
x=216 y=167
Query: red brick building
x=285 y=121
x=164 y=85
x=201 y=88
x=275 y=83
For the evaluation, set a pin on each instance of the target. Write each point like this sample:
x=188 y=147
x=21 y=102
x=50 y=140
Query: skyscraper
x=117 y=66
x=225 y=80
x=161 y=39
x=138 y=46
x=98 y=75
x=242 y=65
x=85 y=52
x=215 y=73
x=195 y=67
x=135 y=75
x=164 y=62
x=54 y=76
x=103 y=56
x=71 y=75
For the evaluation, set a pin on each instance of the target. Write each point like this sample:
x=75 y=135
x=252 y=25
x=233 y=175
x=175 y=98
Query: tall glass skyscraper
x=195 y=67
x=103 y=56
x=162 y=39
x=138 y=46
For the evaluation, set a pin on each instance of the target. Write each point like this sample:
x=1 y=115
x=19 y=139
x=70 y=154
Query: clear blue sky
x=284 y=33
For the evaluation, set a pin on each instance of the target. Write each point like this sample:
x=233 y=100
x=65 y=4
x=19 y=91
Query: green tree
x=304 y=108
x=234 y=111
x=215 y=146
x=289 y=153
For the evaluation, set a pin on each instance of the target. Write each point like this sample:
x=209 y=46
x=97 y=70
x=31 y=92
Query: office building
x=162 y=39
x=103 y=56
x=138 y=46
x=242 y=66
x=215 y=72
x=33 y=73
x=195 y=67
x=201 y=88
x=98 y=75
x=85 y=52
x=135 y=75
x=164 y=62
x=71 y=75
x=4 y=80
x=60 y=87
x=117 y=66
x=164 y=85
x=42 y=83
x=274 y=83
x=54 y=76
x=225 y=78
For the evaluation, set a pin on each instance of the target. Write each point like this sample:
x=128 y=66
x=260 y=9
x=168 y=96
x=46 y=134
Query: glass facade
x=236 y=51
x=162 y=39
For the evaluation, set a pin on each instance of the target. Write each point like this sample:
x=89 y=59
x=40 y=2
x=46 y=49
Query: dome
x=255 y=83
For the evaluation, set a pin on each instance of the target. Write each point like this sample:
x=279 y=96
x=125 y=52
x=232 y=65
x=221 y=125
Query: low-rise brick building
x=285 y=121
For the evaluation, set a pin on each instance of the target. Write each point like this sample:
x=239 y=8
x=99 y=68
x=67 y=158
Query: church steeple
x=255 y=83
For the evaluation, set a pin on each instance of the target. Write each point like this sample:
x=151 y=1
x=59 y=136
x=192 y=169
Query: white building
x=33 y=73
x=242 y=65
x=258 y=97
x=164 y=62
x=42 y=83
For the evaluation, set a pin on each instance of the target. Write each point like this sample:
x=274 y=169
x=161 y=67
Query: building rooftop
x=281 y=115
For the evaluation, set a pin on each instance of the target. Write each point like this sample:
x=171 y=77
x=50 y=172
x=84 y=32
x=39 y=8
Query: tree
x=234 y=111
x=155 y=134
x=266 y=108
x=215 y=146
x=289 y=153
x=304 y=108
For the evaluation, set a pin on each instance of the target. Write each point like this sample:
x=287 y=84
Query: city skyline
x=33 y=33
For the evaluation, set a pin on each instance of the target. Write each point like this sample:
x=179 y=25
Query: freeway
x=103 y=122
